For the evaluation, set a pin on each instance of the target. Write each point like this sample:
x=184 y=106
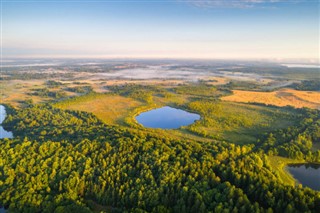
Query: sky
x=202 y=29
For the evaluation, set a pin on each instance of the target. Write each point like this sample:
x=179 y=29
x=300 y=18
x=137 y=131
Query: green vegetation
x=197 y=90
x=80 y=89
x=232 y=122
x=292 y=73
x=44 y=92
x=296 y=142
x=237 y=123
x=241 y=85
x=142 y=93
x=278 y=164
x=69 y=156
x=53 y=84
x=312 y=85
x=70 y=161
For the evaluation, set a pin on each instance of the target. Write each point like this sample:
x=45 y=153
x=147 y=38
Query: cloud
x=236 y=3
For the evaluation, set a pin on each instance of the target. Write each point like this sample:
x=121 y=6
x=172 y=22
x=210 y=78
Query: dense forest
x=69 y=161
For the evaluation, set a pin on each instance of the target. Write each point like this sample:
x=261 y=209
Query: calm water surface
x=167 y=118
x=4 y=133
x=307 y=174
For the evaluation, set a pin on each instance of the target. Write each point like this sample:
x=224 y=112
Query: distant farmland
x=282 y=97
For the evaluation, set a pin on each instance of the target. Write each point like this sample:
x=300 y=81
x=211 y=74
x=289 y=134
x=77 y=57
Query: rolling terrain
x=77 y=146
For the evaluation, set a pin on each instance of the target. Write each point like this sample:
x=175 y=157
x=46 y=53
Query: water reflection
x=307 y=174
x=167 y=118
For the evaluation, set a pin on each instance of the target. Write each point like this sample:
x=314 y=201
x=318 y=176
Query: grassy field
x=233 y=122
x=236 y=122
x=281 y=97
x=278 y=164
x=223 y=120
x=16 y=92
x=112 y=109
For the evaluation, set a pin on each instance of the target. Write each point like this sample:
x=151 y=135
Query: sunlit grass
x=112 y=109
x=282 y=97
x=238 y=123
x=279 y=164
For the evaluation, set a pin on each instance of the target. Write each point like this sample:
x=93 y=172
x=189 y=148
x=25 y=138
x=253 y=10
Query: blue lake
x=3 y=132
x=306 y=174
x=166 y=118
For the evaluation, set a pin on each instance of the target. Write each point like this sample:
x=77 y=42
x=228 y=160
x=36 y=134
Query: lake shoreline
x=3 y=114
x=305 y=174
x=166 y=117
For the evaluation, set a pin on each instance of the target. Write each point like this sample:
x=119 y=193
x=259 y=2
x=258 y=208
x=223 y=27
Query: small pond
x=166 y=118
x=3 y=132
x=306 y=174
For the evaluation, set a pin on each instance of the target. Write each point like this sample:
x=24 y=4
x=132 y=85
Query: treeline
x=67 y=161
x=43 y=122
x=46 y=93
x=80 y=89
x=241 y=85
x=200 y=89
x=312 y=85
x=53 y=84
x=297 y=73
x=142 y=93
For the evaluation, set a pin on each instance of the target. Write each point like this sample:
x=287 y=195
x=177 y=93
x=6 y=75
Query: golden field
x=283 y=97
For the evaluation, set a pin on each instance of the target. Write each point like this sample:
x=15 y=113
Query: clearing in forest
x=111 y=109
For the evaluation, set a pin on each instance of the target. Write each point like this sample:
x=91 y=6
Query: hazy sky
x=161 y=28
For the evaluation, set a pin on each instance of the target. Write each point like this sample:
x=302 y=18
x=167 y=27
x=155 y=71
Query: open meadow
x=112 y=109
x=220 y=120
x=282 y=97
